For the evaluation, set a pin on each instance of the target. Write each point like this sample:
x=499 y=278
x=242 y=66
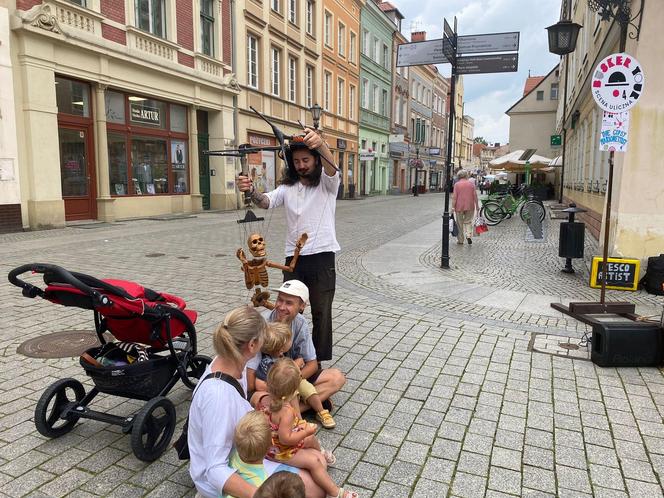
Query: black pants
x=317 y=272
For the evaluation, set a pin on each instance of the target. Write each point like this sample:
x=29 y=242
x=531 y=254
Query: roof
x=541 y=79
x=477 y=148
x=531 y=83
x=388 y=7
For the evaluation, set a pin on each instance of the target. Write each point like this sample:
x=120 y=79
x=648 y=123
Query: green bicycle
x=498 y=207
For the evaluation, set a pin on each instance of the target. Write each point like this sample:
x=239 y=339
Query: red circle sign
x=617 y=82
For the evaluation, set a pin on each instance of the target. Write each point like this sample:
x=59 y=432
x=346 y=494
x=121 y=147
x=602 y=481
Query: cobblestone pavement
x=445 y=395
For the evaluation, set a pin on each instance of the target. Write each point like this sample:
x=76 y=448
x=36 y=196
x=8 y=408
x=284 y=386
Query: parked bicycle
x=500 y=206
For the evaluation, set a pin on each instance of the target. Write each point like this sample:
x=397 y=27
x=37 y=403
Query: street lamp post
x=316 y=112
x=416 y=187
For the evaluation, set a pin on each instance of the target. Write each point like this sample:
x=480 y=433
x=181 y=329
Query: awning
x=556 y=162
x=511 y=162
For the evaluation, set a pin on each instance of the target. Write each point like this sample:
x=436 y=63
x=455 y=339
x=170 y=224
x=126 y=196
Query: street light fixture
x=316 y=112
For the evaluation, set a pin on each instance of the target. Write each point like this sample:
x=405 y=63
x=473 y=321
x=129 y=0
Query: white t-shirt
x=214 y=412
x=311 y=210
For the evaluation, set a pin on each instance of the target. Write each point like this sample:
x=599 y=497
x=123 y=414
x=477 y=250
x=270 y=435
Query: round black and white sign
x=617 y=82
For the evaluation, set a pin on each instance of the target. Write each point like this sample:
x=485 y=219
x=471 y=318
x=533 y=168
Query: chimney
x=418 y=36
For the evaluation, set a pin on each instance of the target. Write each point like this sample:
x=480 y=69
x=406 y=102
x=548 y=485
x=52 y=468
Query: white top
x=309 y=209
x=215 y=410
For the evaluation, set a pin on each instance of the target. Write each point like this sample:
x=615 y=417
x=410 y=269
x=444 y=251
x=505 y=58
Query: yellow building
x=637 y=211
x=279 y=70
x=112 y=99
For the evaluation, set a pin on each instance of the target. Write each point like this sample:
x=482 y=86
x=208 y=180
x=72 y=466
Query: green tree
x=480 y=140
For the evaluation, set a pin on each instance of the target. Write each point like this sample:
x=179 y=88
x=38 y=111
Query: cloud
x=488 y=96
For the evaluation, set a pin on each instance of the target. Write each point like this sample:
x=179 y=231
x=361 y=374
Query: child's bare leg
x=313 y=461
x=311 y=442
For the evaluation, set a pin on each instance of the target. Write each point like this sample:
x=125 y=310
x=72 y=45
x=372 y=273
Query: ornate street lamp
x=562 y=37
x=316 y=112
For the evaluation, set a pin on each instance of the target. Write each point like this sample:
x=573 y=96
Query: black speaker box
x=627 y=344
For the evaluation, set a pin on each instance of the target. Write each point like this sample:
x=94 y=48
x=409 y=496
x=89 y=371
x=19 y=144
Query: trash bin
x=572 y=235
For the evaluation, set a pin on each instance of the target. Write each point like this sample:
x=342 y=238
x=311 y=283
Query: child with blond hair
x=293 y=440
x=278 y=341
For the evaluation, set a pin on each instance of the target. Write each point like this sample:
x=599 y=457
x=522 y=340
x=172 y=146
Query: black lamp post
x=316 y=112
x=562 y=41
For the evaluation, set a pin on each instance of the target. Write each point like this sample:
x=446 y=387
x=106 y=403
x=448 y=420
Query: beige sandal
x=344 y=493
x=326 y=419
x=328 y=456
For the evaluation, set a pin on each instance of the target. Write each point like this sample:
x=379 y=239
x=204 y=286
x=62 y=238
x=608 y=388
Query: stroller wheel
x=57 y=398
x=153 y=428
x=194 y=369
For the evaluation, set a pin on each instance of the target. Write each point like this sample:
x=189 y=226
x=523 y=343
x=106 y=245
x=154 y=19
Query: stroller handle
x=56 y=273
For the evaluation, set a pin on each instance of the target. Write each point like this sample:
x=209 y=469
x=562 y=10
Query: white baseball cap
x=295 y=288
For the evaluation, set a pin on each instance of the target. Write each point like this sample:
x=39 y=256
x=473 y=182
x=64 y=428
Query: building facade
x=467 y=137
x=400 y=136
x=122 y=93
x=438 y=136
x=279 y=70
x=376 y=64
x=637 y=211
x=340 y=85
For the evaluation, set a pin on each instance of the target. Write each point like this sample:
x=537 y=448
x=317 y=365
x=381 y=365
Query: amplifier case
x=628 y=344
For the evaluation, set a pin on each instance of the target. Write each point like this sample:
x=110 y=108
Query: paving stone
x=636 y=469
x=473 y=463
x=404 y=473
x=438 y=469
x=573 y=479
x=468 y=486
x=413 y=452
x=509 y=459
x=366 y=475
x=639 y=488
x=539 y=479
x=426 y=489
x=508 y=481
x=380 y=454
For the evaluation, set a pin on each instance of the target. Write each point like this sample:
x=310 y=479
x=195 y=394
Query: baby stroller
x=157 y=348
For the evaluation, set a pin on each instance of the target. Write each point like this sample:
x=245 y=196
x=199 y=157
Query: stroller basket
x=140 y=380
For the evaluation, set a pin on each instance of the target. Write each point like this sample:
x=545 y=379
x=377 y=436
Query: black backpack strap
x=229 y=380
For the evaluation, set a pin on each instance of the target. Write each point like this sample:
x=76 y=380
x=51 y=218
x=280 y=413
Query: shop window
x=117 y=163
x=115 y=107
x=178 y=118
x=150 y=16
x=72 y=97
x=149 y=159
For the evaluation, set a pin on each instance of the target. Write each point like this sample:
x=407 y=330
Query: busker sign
x=617 y=83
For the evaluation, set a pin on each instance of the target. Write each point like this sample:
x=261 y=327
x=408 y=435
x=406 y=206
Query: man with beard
x=291 y=300
x=308 y=191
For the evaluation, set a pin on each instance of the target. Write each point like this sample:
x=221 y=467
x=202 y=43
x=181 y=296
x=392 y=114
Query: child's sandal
x=344 y=493
x=329 y=456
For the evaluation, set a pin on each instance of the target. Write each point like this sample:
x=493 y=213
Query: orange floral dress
x=278 y=451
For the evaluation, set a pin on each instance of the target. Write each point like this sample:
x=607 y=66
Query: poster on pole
x=615 y=132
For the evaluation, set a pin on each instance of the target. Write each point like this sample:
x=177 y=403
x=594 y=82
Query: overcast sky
x=488 y=96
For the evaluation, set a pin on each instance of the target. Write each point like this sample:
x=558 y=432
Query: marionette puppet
x=255 y=270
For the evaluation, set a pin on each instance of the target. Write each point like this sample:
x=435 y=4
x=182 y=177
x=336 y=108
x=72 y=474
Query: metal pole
x=417 y=169
x=445 y=253
x=562 y=168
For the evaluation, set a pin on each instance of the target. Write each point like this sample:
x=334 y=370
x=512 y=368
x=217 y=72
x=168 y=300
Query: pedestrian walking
x=464 y=203
x=308 y=191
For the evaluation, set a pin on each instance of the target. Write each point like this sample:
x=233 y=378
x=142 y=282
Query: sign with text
x=480 y=64
x=140 y=113
x=556 y=140
x=617 y=82
x=622 y=273
x=419 y=53
x=490 y=42
x=614 y=135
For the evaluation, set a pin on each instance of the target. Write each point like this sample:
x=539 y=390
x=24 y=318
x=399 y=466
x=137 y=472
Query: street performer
x=308 y=191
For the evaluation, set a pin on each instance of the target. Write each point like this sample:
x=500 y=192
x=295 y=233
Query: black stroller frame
x=152 y=427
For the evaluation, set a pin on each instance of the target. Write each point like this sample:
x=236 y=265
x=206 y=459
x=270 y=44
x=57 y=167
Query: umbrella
x=556 y=161
x=511 y=162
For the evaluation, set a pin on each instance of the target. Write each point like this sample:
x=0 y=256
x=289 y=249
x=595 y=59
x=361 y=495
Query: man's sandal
x=328 y=456
x=326 y=419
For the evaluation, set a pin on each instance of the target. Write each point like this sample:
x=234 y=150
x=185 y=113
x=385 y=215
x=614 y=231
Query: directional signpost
x=447 y=49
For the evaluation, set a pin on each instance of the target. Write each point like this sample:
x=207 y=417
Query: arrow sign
x=479 y=64
x=418 y=53
x=491 y=42
x=447 y=30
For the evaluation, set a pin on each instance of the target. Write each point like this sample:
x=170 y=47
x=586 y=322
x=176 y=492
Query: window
x=374 y=94
x=292 y=78
x=252 y=61
x=376 y=51
x=207 y=27
x=353 y=48
x=340 y=97
x=275 y=5
x=328 y=29
x=150 y=16
x=147 y=152
x=326 y=90
x=365 y=42
x=276 y=70
x=73 y=97
x=383 y=104
x=310 y=17
x=342 y=40
x=365 y=93
x=292 y=11
x=386 y=57
x=540 y=94
x=310 y=86
x=554 y=91
x=351 y=102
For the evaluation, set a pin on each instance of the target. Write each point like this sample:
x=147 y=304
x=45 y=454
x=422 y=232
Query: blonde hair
x=277 y=336
x=240 y=326
x=281 y=485
x=252 y=437
x=282 y=382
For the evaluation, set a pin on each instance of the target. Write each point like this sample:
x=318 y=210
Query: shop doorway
x=77 y=172
x=363 y=178
x=204 y=169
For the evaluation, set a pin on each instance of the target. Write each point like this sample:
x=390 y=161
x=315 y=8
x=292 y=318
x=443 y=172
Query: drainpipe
x=238 y=202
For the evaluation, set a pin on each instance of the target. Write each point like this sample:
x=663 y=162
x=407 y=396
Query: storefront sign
x=622 y=274
x=434 y=151
x=614 y=135
x=341 y=143
x=617 y=82
x=396 y=138
x=144 y=114
x=367 y=156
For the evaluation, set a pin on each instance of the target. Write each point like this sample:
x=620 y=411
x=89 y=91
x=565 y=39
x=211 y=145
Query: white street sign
x=424 y=52
x=617 y=83
x=491 y=42
x=615 y=132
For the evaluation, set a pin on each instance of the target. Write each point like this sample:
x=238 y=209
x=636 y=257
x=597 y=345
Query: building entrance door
x=77 y=172
x=363 y=178
x=204 y=168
